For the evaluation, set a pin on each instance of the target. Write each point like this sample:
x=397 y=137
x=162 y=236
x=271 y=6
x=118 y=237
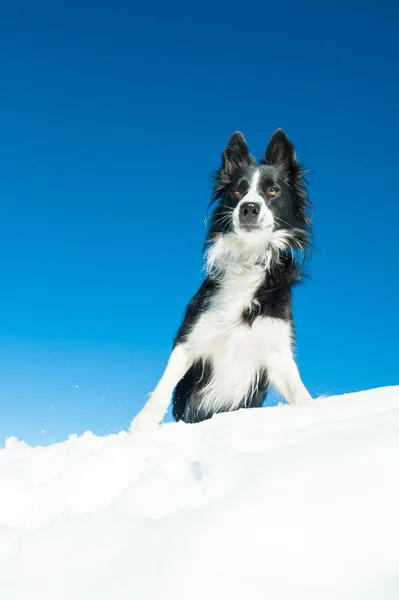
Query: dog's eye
x=272 y=191
x=236 y=193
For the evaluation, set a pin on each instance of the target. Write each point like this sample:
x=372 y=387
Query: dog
x=237 y=336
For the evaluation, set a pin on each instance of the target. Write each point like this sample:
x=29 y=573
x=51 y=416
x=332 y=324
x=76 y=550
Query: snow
x=273 y=503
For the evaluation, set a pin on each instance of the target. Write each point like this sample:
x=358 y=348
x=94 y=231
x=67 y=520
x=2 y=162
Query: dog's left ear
x=280 y=151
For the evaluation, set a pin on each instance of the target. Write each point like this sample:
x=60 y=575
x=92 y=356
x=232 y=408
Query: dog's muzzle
x=249 y=214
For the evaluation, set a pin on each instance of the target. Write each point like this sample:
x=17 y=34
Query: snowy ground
x=264 y=504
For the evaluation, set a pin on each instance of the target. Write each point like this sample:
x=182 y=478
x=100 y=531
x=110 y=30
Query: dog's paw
x=146 y=420
x=305 y=400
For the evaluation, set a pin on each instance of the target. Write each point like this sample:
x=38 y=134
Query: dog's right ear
x=235 y=154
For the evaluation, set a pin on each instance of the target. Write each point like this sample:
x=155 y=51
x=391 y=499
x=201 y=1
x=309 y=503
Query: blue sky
x=112 y=120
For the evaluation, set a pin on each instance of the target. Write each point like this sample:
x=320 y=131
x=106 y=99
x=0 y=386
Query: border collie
x=237 y=335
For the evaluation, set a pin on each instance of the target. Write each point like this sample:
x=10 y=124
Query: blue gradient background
x=112 y=119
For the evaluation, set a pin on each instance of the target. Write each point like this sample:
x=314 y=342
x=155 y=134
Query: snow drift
x=260 y=504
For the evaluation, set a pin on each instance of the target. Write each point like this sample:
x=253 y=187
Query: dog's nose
x=249 y=213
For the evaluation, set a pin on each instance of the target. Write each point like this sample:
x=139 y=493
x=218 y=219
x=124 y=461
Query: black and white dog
x=237 y=335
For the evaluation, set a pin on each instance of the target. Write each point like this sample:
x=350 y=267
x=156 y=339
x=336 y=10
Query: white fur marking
x=246 y=252
x=253 y=188
x=266 y=220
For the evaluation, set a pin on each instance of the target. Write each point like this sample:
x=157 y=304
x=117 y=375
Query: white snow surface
x=271 y=503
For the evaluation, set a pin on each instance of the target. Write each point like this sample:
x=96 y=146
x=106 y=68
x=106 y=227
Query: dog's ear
x=235 y=154
x=280 y=151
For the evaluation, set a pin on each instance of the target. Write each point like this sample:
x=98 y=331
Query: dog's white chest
x=237 y=352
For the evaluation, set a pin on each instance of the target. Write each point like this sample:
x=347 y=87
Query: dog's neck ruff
x=233 y=254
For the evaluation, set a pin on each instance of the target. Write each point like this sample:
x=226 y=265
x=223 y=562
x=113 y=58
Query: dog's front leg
x=154 y=410
x=284 y=377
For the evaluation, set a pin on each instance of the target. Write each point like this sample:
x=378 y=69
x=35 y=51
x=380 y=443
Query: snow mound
x=261 y=504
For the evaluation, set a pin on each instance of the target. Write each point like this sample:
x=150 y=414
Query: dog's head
x=261 y=209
